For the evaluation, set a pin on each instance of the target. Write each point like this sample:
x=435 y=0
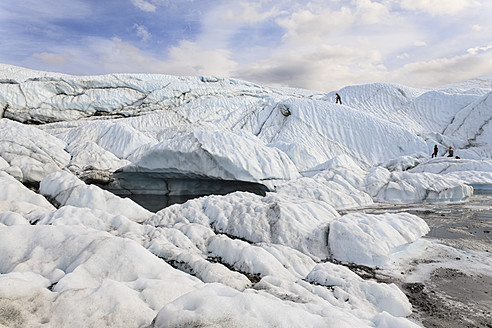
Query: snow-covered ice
x=73 y=252
x=223 y=155
x=369 y=239
x=66 y=189
x=29 y=152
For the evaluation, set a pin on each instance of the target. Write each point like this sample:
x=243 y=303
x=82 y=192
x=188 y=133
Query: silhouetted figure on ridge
x=338 y=99
x=434 y=154
x=451 y=152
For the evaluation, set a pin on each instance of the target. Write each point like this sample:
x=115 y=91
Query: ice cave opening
x=155 y=191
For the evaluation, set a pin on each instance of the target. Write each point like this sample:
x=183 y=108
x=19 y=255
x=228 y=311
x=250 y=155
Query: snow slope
x=77 y=253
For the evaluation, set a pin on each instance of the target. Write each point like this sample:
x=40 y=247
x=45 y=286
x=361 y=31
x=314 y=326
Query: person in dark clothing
x=434 y=154
x=338 y=99
x=451 y=152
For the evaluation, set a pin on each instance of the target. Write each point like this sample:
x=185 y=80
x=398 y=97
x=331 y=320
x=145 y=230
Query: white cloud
x=116 y=56
x=323 y=68
x=445 y=70
x=437 y=7
x=420 y=43
x=246 y=12
x=338 y=22
x=403 y=56
x=306 y=26
x=369 y=12
x=476 y=50
x=151 y=5
x=53 y=59
x=188 y=58
x=320 y=45
x=144 y=5
x=477 y=27
x=221 y=22
x=142 y=32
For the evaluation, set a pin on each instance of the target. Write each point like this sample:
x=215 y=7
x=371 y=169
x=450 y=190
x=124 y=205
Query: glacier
x=263 y=239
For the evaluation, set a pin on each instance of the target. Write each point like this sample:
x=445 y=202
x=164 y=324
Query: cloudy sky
x=319 y=45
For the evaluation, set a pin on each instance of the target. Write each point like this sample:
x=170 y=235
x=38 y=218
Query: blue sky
x=319 y=45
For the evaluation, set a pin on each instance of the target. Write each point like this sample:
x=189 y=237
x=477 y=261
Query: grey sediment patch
x=470 y=221
x=450 y=298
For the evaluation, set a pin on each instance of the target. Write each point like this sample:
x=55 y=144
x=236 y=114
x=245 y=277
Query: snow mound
x=182 y=244
x=369 y=239
x=352 y=186
x=338 y=182
x=294 y=222
x=327 y=188
x=451 y=165
x=326 y=130
x=436 y=109
x=256 y=310
x=67 y=189
x=89 y=155
x=475 y=173
x=404 y=163
x=347 y=284
x=406 y=187
x=117 y=138
x=474 y=122
x=14 y=194
x=31 y=154
x=383 y=100
x=259 y=308
x=216 y=155
x=94 y=277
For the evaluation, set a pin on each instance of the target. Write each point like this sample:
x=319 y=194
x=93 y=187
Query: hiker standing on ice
x=451 y=151
x=338 y=99
x=434 y=154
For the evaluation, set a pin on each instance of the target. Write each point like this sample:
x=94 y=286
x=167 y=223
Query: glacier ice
x=75 y=252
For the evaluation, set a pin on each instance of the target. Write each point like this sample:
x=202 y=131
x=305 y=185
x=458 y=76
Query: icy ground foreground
x=75 y=255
